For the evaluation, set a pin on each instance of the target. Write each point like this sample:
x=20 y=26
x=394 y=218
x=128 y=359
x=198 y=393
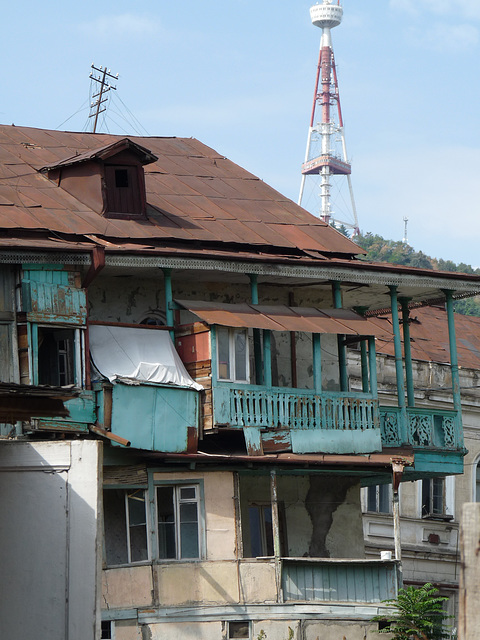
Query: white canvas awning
x=137 y=355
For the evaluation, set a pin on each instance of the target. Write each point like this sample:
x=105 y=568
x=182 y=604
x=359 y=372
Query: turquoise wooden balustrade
x=277 y=407
x=365 y=581
x=425 y=428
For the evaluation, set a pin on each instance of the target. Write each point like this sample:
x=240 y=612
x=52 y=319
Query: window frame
x=232 y=332
x=200 y=501
x=78 y=351
x=448 y=499
x=378 y=489
x=126 y=490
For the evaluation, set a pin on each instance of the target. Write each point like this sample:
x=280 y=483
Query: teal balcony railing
x=278 y=407
x=424 y=428
x=362 y=581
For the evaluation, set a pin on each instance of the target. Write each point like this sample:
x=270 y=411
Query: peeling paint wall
x=322 y=515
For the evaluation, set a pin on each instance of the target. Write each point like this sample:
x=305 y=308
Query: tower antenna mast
x=322 y=159
x=98 y=106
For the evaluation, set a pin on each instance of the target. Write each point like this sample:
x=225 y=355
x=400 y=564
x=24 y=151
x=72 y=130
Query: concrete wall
x=50 y=539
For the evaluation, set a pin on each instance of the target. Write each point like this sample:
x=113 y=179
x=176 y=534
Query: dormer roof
x=106 y=152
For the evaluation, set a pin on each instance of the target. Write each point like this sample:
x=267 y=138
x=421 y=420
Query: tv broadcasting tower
x=326 y=155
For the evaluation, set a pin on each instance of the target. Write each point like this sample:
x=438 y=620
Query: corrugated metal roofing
x=283 y=318
x=193 y=195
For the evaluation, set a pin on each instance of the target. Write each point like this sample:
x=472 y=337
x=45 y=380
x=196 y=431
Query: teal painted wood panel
x=343 y=581
x=154 y=418
x=339 y=441
x=51 y=295
x=425 y=428
x=82 y=410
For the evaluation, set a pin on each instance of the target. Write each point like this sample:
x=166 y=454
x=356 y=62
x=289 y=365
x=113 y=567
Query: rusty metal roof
x=283 y=318
x=430 y=342
x=194 y=195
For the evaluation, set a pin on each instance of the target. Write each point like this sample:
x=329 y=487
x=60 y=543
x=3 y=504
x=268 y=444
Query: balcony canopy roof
x=283 y=318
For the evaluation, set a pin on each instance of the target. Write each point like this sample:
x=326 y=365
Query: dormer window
x=123 y=192
x=110 y=180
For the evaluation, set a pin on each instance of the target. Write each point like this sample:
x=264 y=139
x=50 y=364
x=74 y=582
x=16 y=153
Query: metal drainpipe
x=342 y=354
x=398 y=364
x=457 y=401
x=407 y=350
x=257 y=343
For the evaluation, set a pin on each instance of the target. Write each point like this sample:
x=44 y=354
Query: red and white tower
x=326 y=156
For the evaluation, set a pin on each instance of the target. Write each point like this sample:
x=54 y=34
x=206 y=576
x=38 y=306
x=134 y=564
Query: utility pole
x=99 y=98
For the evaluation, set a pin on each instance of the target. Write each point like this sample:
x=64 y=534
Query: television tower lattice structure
x=326 y=155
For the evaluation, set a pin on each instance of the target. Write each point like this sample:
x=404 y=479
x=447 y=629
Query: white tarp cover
x=137 y=355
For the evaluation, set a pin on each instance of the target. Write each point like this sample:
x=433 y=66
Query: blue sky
x=239 y=76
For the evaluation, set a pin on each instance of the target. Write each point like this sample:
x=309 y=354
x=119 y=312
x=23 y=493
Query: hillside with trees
x=396 y=252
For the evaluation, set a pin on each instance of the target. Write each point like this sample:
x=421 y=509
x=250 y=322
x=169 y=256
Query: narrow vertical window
x=261 y=531
x=178 y=522
x=125 y=519
x=379 y=498
x=232 y=354
x=477 y=482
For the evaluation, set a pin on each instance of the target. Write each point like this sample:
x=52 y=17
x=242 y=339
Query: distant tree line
x=396 y=252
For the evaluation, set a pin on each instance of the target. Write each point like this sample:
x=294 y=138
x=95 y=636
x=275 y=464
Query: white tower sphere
x=326 y=15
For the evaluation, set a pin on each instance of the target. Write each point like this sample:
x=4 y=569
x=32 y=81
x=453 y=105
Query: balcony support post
x=372 y=358
x=407 y=350
x=398 y=364
x=257 y=343
x=317 y=363
x=453 y=352
x=342 y=353
x=276 y=534
x=267 y=357
x=167 y=279
x=364 y=366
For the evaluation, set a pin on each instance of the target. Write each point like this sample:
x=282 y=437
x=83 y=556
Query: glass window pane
x=188 y=493
x=115 y=523
x=188 y=512
x=136 y=508
x=372 y=498
x=255 y=532
x=240 y=355
x=426 y=507
x=138 y=543
x=166 y=523
x=267 y=515
x=189 y=540
x=223 y=350
x=384 y=498
x=437 y=502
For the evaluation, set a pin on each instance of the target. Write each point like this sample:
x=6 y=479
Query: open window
x=437 y=498
x=126 y=531
x=56 y=356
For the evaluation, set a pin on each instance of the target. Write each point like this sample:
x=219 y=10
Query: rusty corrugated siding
x=283 y=318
